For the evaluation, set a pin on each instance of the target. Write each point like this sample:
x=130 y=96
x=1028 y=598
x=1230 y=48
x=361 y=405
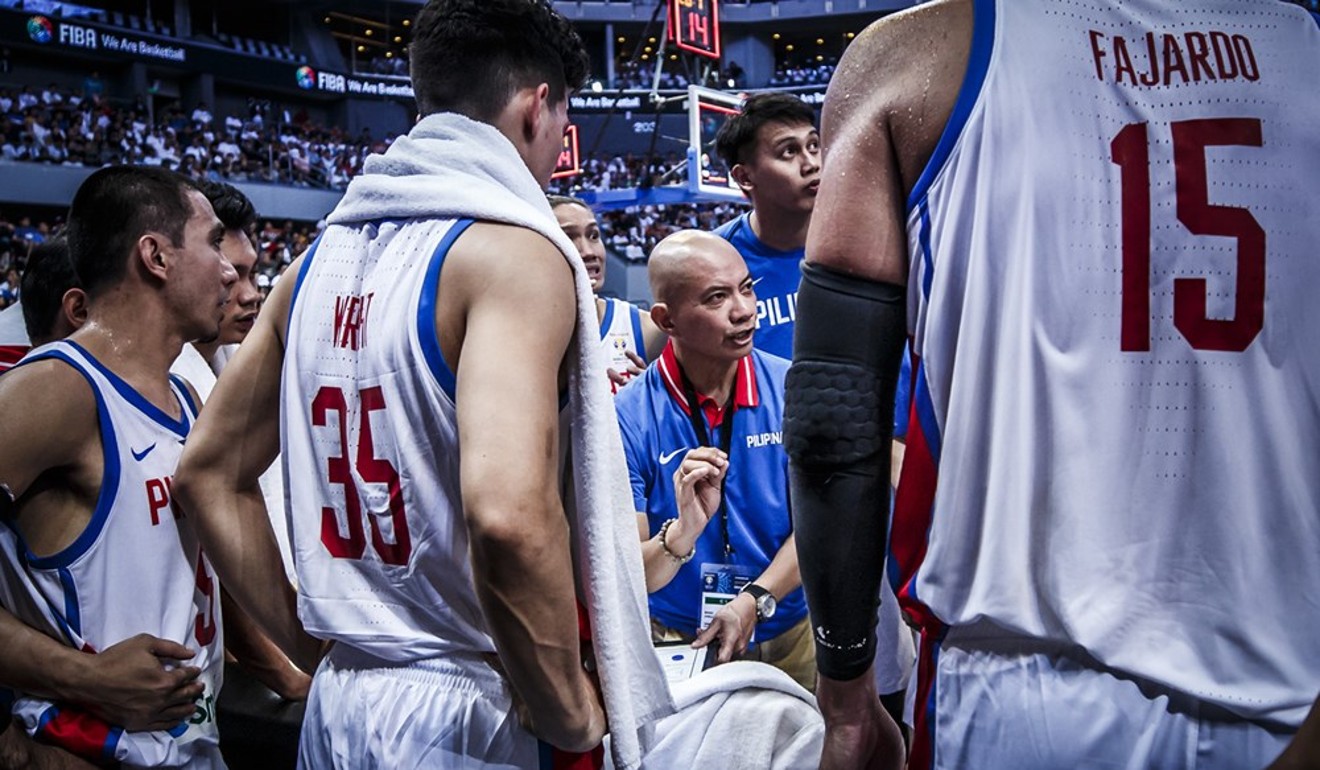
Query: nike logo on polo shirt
x=665 y=458
x=140 y=456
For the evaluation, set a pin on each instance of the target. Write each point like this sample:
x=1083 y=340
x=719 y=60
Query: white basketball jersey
x=621 y=333
x=371 y=448
x=1113 y=299
x=136 y=568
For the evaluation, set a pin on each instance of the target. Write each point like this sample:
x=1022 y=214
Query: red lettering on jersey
x=1246 y=58
x=351 y=321
x=1198 y=56
x=1172 y=59
x=1153 y=76
x=1098 y=53
x=159 y=497
x=1123 y=62
x=1224 y=60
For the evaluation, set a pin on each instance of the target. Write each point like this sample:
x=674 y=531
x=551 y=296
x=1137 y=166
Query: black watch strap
x=758 y=594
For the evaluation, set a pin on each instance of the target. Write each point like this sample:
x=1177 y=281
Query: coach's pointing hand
x=698 y=484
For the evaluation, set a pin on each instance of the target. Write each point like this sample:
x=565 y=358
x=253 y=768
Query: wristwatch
x=765 y=602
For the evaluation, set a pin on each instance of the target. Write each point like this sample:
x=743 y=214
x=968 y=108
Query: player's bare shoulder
x=50 y=421
x=510 y=271
x=901 y=76
x=491 y=258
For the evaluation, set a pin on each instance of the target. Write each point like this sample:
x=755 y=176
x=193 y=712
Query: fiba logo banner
x=306 y=78
x=40 y=29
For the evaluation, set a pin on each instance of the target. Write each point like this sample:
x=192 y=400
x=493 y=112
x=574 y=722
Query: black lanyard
x=697 y=416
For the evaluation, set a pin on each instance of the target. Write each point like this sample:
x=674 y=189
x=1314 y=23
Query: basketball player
x=629 y=337
x=54 y=304
x=1111 y=488
x=238 y=215
x=199 y=364
x=125 y=684
x=772 y=149
x=98 y=553
x=460 y=567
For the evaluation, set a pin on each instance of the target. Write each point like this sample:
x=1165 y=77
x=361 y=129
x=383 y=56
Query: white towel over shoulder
x=448 y=167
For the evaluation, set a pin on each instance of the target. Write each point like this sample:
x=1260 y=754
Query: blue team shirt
x=775 y=275
x=657 y=434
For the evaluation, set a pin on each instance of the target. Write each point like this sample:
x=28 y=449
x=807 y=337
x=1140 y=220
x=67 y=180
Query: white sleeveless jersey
x=371 y=448
x=136 y=568
x=620 y=333
x=1113 y=299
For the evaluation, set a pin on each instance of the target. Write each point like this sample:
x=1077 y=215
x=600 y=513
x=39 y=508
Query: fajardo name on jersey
x=1163 y=59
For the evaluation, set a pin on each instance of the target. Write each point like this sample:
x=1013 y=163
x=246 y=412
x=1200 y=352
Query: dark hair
x=113 y=208
x=566 y=200
x=234 y=209
x=470 y=56
x=739 y=132
x=48 y=276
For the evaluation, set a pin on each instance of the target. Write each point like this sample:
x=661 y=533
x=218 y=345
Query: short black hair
x=48 y=276
x=113 y=208
x=234 y=209
x=470 y=56
x=738 y=133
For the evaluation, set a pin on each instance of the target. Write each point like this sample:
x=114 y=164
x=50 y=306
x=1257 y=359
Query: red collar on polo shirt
x=744 y=386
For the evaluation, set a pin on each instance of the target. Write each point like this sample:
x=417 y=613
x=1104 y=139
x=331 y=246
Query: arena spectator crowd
x=63 y=127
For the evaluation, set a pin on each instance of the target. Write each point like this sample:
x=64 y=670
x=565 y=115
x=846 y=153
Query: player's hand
x=698 y=481
x=859 y=733
x=636 y=366
x=733 y=626
x=141 y=684
x=558 y=729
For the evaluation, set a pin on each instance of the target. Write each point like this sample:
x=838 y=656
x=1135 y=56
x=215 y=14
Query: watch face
x=766 y=606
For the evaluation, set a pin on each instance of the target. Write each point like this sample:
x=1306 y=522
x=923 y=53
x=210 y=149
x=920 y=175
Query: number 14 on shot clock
x=694 y=25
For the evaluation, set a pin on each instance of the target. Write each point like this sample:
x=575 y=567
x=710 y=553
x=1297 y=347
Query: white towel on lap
x=740 y=715
x=448 y=167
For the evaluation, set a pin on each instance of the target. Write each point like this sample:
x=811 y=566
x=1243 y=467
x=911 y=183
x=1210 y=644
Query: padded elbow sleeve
x=838 y=424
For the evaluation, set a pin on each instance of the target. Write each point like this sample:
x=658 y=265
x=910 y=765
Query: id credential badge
x=720 y=584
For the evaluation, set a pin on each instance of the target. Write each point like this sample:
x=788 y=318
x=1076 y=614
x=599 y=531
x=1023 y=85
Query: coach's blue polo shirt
x=653 y=417
x=775 y=276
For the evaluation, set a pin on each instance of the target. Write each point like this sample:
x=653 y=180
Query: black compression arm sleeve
x=838 y=424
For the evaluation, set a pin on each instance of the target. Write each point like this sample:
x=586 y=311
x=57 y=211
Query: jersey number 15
x=1131 y=151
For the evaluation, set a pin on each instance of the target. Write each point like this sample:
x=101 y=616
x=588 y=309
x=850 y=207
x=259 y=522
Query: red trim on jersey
x=922 y=756
x=587 y=760
x=913 y=506
x=745 y=393
x=78 y=732
x=11 y=354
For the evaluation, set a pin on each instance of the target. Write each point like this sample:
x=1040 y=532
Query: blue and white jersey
x=136 y=568
x=370 y=447
x=1115 y=433
x=775 y=277
x=657 y=433
x=621 y=332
